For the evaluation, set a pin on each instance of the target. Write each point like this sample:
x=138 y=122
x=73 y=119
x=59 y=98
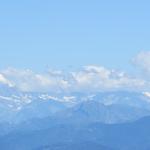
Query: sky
x=37 y=34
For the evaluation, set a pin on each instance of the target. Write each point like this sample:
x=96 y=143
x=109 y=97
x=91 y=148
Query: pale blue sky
x=63 y=33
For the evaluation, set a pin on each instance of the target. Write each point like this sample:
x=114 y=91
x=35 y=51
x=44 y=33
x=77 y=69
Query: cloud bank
x=88 y=79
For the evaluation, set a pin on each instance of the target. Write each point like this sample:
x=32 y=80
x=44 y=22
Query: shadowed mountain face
x=99 y=136
x=95 y=111
x=75 y=146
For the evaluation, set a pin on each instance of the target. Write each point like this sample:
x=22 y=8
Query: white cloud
x=27 y=80
x=142 y=60
x=95 y=78
x=3 y=80
x=87 y=79
x=101 y=71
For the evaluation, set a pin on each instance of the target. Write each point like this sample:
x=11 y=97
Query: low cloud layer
x=87 y=79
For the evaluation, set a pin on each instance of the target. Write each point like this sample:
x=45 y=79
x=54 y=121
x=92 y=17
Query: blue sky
x=64 y=34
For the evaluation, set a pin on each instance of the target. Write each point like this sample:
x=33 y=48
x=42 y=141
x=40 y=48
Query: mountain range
x=106 y=120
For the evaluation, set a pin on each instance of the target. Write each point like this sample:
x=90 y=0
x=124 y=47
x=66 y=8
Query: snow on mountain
x=108 y=107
